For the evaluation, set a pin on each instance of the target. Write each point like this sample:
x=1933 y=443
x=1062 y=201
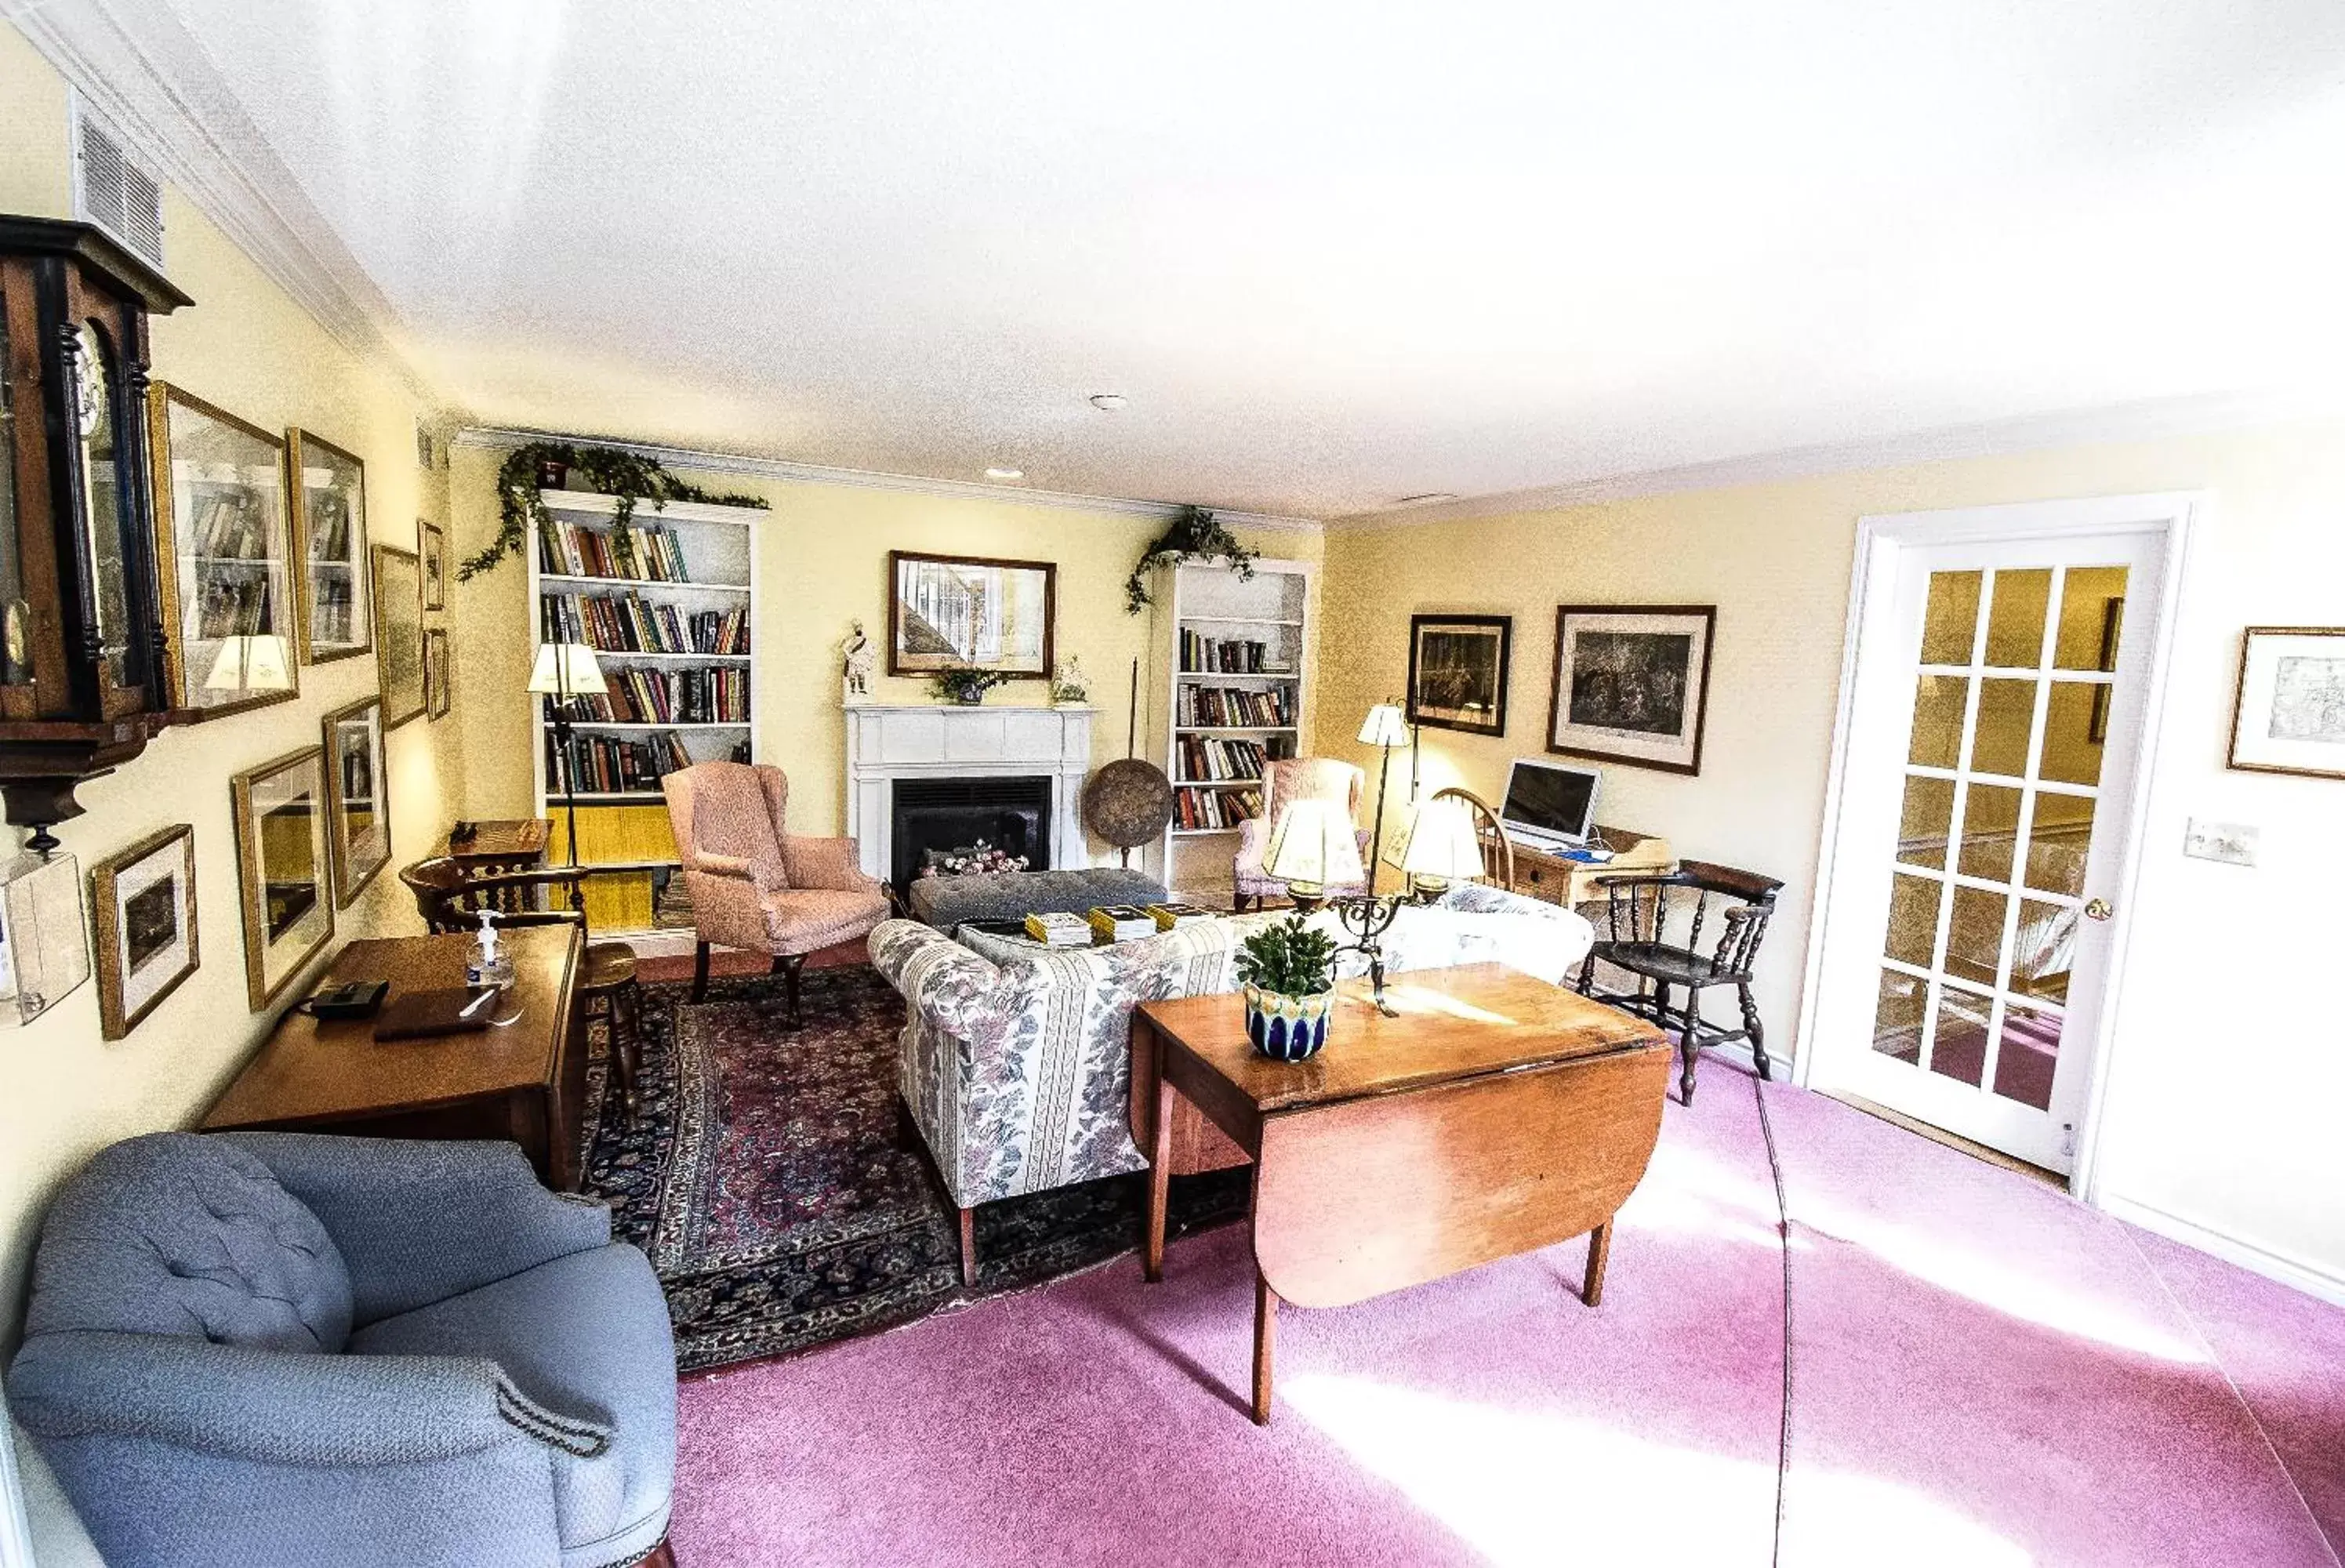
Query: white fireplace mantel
x=887 y=741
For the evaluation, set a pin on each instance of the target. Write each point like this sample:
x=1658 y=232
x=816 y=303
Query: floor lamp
x=567 y=670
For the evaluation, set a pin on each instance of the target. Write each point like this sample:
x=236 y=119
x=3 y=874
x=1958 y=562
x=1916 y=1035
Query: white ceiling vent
x=112 y=191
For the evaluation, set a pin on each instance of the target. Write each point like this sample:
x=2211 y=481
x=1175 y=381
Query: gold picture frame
x=334 y=604
x=223 y=556
x=438 y=673
x=357 y=797
x=2288 y=710
x=432 y=545
x=283 y=869
x=399 y=633
x=143 y=906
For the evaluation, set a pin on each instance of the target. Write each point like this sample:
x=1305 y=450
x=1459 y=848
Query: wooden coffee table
x=1496 y=1114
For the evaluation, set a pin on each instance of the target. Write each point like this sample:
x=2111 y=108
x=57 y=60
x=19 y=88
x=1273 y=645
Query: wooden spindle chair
x=1639 y=912
x=1498 y=843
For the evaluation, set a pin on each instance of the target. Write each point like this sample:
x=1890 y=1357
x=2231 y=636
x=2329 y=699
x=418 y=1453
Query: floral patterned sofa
x=1017 y=1062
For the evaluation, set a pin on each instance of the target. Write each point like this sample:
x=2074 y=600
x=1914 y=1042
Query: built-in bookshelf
x=668 y=603
x=1238 y=699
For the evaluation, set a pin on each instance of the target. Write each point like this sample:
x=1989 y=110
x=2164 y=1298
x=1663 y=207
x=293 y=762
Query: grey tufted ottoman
x=947 y=902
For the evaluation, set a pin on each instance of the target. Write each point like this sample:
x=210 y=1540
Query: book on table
x=1059 y=930
x=1172 y=916
x=1120 y=923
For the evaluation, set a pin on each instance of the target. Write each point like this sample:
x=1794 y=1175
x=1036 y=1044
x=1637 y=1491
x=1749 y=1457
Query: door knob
x=2099 y=909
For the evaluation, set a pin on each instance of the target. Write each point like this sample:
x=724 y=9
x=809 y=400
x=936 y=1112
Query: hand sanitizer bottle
x=489 y=966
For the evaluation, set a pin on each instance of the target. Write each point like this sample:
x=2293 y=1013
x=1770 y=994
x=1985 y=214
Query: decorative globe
x=1128 y=802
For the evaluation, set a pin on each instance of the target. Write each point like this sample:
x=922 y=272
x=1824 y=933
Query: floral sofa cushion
x=1017 y=1061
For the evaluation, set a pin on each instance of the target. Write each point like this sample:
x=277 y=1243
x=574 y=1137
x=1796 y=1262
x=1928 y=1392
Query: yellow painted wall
x=247 y=347
x=2223 y=1071
x=822 y=560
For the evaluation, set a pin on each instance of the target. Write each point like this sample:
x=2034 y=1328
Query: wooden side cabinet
x=1572 y=883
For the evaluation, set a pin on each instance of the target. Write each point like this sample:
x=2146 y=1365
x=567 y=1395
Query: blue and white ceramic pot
x=1287 y=1029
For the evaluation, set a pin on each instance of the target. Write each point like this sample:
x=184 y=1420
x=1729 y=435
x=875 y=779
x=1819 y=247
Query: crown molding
x=2147 y=420
x=700 y=460
x=145 y=82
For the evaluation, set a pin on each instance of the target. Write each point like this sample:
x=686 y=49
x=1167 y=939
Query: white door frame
x=1872 y=579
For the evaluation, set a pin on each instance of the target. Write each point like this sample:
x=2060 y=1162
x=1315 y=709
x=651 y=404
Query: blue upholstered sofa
x=276 y=1348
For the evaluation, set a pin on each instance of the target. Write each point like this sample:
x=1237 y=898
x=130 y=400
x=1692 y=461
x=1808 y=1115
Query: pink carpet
x=1982 y=1372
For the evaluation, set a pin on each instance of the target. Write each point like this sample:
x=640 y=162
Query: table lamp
x=564 y=670
x=1312 y=845
x=1384 y=727
x=259 y=661
x=1442 y=847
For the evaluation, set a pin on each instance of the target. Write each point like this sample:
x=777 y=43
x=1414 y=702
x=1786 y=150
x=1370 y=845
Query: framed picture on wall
x=433 y=546
x=283 y=865
x=2290 y=714
x=143 y=903
x=1631 y=684
x=969 y=613
x=437 y=691
x=358 y=797
x=223 y=556
x=326 y=487
x=399 y=633
x=1457 y=672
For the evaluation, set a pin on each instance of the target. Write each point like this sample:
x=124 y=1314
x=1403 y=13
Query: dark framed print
x=143 y=902
x=2097 y=727
x=326 y=487
x=399 y=633
x=433 y=546
x=358 y=805
x=969 y=613
x=283 y=865
x=1631 y=684
x=223 y=556
x=1457 y=672
x=438 y=693
x=2289 y=716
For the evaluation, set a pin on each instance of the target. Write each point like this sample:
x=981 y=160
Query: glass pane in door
x=2000 y=789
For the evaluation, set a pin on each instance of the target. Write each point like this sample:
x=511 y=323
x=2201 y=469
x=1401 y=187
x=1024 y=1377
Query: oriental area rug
x=786 y=1200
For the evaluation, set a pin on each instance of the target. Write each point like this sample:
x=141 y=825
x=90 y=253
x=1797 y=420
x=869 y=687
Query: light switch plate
x=2232 y=842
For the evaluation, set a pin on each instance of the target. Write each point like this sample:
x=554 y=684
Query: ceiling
x=1333 y=255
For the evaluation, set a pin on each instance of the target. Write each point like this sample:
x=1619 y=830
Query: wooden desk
x=1572 y=883
x=523 y=1079
x=1496 y=1115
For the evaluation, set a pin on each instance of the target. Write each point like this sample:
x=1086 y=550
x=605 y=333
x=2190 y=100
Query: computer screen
x=1549 y=800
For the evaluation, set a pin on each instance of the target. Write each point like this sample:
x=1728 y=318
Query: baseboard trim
x=2294 y=1272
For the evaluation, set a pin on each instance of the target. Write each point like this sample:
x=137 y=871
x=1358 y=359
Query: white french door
x=1988 y=755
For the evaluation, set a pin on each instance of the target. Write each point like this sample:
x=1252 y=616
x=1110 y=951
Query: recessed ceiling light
x=1005 y=473
x=1430 y=498
x=1107 y=402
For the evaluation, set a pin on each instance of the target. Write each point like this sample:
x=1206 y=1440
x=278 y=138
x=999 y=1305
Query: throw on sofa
x=276 y=1348
x=1017 y=1062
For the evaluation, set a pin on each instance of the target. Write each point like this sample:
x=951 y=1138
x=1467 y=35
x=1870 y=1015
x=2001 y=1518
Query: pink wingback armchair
x=1296 y=778
x=755 y=886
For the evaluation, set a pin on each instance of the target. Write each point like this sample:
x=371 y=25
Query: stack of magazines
x=1059 y=930
x=1169 y=916
x=1120 y=923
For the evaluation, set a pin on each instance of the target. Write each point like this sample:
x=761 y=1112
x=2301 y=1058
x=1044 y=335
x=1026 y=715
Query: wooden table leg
x=1266 y=1330
x=1159 y=1179
x=1600 y=1252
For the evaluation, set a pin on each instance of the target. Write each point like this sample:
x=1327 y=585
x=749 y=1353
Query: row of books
x=1216 y=808
x=636 y=696
x=609 y=766
x=1235 y=656
x=646 y=553
x=1112 y=923
x=627 y=623
x=231 y=526
x=1207 y=757
x=1237 y=706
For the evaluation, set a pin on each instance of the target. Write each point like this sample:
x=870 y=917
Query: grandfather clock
x=82 y=686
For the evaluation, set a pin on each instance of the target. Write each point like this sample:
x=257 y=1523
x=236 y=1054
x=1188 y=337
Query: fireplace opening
x=1012 y=814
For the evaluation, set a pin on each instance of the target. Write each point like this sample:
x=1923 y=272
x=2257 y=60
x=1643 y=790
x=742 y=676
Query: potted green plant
x=1288 y=970
x=967 y=687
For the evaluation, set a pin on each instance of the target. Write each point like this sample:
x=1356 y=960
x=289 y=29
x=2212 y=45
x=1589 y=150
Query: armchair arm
x=280 y=1407
x=830 y=864
x=418 y=1221
x=739 y=868
x=950 y=986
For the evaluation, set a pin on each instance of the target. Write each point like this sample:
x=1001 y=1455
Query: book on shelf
x=1118 y=923
x=1212 y=757
x=1236 y=707
x=627 y=623
x=632 y=550
x=1213 y=810
x=1201 y=654
x=1059 y=930
x=610 y=764
x=230 y=526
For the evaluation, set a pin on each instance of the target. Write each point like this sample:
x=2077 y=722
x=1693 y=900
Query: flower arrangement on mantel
x=967 y=687
x=613 y=470
x=1195 y=535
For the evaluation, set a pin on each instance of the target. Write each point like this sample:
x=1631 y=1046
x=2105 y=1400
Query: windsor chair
x=1640 y=914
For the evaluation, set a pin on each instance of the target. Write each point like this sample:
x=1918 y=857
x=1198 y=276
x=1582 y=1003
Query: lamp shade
x=258 y=663
x=1442 y=845
x=566 y=669
x=1385 y=725
x=1313 y=844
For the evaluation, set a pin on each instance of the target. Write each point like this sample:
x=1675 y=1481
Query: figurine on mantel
x=1070 y=687
x=856 y=656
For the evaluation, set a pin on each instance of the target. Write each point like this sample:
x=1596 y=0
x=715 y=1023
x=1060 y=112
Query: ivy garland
x=1193 y=536
x=627 y=475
